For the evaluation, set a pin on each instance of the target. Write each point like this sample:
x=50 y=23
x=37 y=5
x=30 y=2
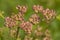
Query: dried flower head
x=22 y=9
x=35 y=19
x=47 y=35
x=26 y=26
x=49 y=14
x=9 y=22
x=37 y=8
x=18 y=17
x=38 y=31
x=21 y=17
x=12 y=33
x=15 y=17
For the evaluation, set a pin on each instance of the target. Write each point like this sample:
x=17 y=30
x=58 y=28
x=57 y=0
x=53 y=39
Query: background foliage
x=9 y=7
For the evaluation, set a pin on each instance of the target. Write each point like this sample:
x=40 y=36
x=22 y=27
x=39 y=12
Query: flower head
x=49 y=14
x=37 y=8
x=21 y=9
x=26 y=26
x=34 y=19
x=9 y=22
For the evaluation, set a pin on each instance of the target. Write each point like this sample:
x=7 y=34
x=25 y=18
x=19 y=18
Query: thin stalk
x=17 y=33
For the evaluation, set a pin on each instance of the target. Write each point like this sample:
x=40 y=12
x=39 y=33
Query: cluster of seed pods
x=38 y=31
x=10 y=22
x=47 y=13
x=21 y=9
x=34 y=19
x=27 y=26
x=37 y=8
x=12 y=33
x=18 y=17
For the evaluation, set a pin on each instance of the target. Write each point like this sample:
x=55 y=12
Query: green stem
x=17 y=33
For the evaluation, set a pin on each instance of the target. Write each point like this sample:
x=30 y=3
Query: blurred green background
x=9 y=7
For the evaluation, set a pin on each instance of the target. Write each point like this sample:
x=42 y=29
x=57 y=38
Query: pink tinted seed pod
x=26 y=26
